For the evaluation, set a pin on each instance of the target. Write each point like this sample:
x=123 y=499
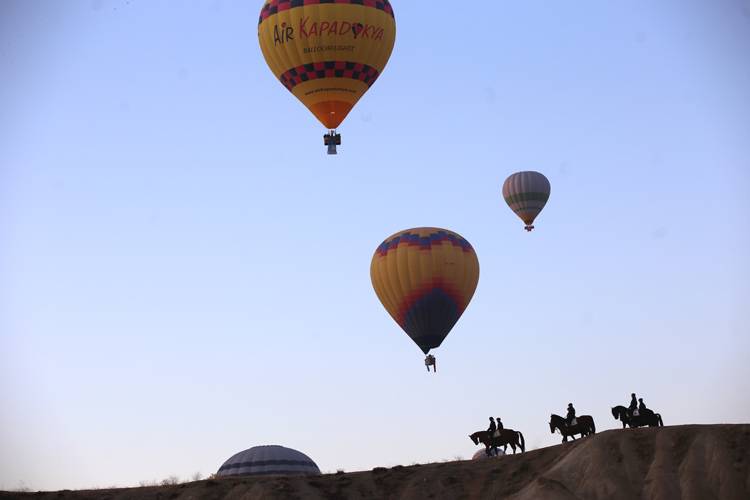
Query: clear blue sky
x=184 y=272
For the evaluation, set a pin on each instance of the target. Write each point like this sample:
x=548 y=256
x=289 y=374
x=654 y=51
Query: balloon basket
x=332 y=139
x=430 y=361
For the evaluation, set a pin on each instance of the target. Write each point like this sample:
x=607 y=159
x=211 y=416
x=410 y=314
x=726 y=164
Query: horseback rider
x=499 y=425
x=491 y=433
x=633 y=403
x=492 y=428
x=571 y=415
x=642 y=408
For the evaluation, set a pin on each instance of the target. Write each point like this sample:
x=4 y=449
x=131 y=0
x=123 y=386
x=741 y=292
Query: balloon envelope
x=482 y=454
x=264 y=460
x=526 y=193
x=425 y=278
x=327 y=53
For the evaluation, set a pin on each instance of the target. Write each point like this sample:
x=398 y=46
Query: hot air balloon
x=526 y=193
x=269 y=459
x=425 y=278
x=327 y=53
x=482 y=454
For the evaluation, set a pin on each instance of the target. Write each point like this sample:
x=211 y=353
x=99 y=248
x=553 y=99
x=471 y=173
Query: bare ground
x=692 y=462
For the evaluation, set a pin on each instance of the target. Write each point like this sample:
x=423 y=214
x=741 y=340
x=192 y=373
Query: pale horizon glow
x=184 y=272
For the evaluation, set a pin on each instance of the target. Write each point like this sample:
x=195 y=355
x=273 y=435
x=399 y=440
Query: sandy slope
x=683 y=462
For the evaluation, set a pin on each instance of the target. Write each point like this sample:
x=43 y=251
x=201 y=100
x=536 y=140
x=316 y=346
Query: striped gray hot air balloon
x=526 y=193
x=265 y=460
x=482 y=454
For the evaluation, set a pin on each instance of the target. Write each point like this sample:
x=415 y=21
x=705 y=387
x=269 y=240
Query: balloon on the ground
x=526 y=193
x=482 y=454
x=265 y=460
x=425 y=278
x=327 y=53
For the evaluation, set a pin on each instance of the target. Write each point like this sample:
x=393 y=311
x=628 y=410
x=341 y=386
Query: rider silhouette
x=499 y=424
x=491 y=432
x=492 y=428
x=642 y=407
x=633 y=403
x=571 y=414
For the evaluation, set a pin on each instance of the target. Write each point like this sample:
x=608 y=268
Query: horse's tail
x=522 y=441
x=593 y=426
x=661 y=424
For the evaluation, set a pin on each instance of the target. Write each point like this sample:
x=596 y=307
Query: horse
x=584 y=426
x=621 y=413
x=648 y=418
x=506 y=437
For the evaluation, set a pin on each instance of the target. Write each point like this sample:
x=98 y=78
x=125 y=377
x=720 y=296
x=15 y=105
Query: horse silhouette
x=506 y=437
x=647 y=417
x=584 y=426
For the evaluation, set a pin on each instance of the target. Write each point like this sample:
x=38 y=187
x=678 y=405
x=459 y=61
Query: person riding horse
x=491 y=436
x=633 y=404
x=642 y=410
x=571 y=415
x=571 y=425
x=492 y=428
x=499 y=425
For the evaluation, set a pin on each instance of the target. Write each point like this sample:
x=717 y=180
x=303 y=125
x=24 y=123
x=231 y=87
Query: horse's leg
x=513 y=446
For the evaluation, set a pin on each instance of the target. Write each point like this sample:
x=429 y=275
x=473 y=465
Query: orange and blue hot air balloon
x=327 y=53
x=425 y=278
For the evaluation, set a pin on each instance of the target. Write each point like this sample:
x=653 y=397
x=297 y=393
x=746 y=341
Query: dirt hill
x=691 y=462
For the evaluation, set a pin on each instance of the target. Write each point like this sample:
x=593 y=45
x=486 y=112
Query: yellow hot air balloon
x=425 y=278
x=327 y=53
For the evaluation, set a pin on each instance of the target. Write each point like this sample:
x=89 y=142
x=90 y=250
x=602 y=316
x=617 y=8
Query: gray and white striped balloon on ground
x=267 y=460
x=526 y=193
x=482 y=454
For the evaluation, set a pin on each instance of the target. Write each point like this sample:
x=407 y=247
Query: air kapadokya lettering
x=307 y=29
x=340 y=28
x=283 y=35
